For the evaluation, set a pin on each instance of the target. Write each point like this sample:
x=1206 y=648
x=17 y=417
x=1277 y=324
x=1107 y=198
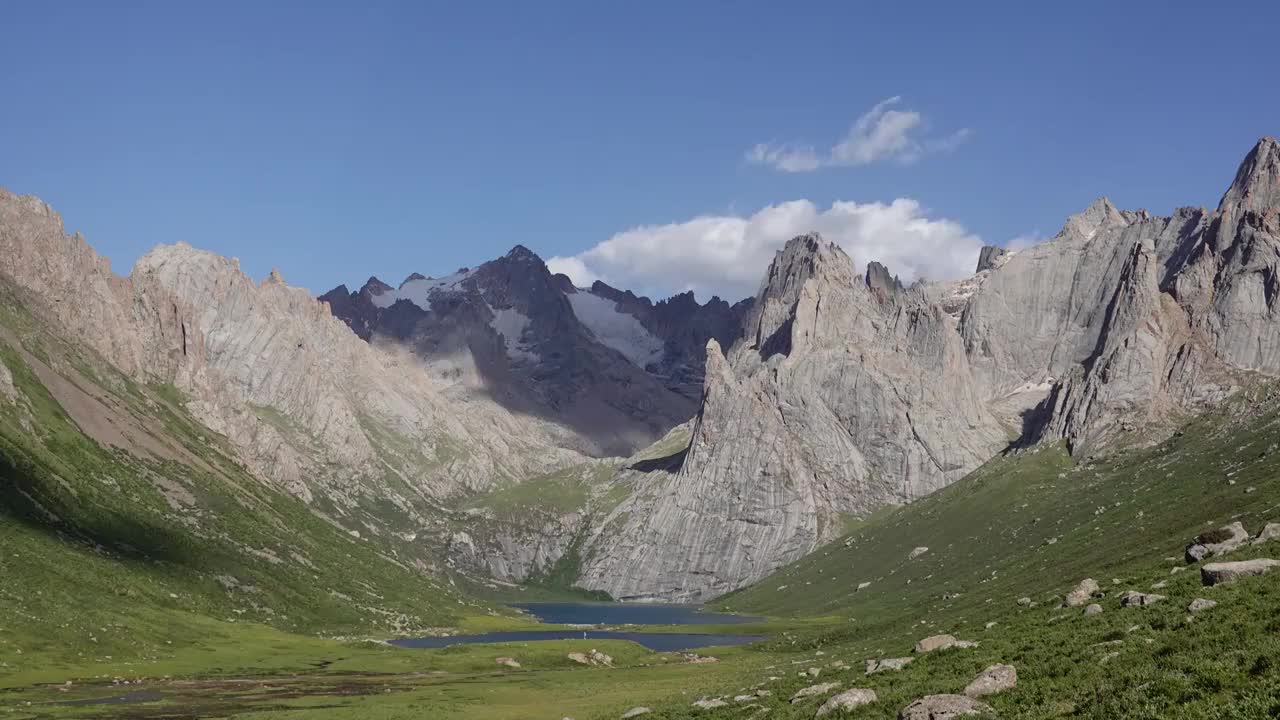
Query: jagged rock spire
x=1257 y=183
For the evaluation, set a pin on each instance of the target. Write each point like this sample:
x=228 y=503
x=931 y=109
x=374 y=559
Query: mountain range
x=500 y=425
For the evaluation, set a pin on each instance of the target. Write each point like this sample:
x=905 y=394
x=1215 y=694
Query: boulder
x=995 y=679
x=1270 y=532
x=508 y=661
x=942 y=642
x=1082 y=593
x=1025 y=602
x=1200 y=604
x=917 y=552
x=1093 y=609
x=1134 y=598
x=820 y=689
x=943 y=707
x=709 y=703
x=1227 y=572
x=847 y=700
x=875 y=666
x=1217 y=542
x=636 y=712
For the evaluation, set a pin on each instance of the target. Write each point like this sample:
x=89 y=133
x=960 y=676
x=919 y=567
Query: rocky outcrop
x=848 y=392
x=943 y=707
x=7 y=390
x=991 y=257
x=1138 y=319
x=995 y=679
x=1228 y=572
x=1083 y=593
x=134 y=323
x=847 y=700
x=837 y=400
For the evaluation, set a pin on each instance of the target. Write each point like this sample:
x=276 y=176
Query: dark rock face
x=509 y=328
x=990 y=257
x=684 y=327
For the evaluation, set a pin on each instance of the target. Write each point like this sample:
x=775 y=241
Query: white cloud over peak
x=727 y=255
x=882 y=133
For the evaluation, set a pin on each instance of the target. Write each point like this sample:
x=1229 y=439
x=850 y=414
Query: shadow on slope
x=36 y=497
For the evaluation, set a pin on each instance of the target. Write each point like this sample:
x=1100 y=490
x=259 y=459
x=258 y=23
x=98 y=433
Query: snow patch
x=511 y=324
x=418 y=291
x=614 y=329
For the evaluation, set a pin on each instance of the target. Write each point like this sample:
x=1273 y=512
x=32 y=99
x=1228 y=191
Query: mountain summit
x=612 y=367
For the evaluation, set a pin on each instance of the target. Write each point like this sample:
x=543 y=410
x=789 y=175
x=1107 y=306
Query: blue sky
x=336 y=141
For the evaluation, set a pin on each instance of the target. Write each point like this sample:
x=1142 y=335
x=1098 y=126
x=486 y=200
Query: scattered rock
x=875 y=666
x=814 y=690
x=863 y=585
x=1082 y=593
x=696 y=659
x=917 y=552
x=1217 y=542
x=995 y=679
x=943 y=707
x=1093 y=609
x=1200 y=604
x=508 y=661
x=593 y=658
x=942 y=642
x=636 y=712
x=1226 y=572
x=1159 y=585
x=1134 y=598
x=1025 y=602
x=847 y=700
x=710 y=703
x=1270 y=532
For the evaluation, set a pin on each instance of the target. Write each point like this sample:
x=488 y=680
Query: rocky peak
x=523 y=254
x=1100 y=213
x=806 y=260
x=564 y=283
x=374 y=285
x=411 y=278
x=1257 y=183
x=990 y=257
x=609 y=292
x=881 y=284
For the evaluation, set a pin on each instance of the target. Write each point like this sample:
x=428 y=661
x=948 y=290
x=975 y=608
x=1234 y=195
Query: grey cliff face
x=838 y=400
x=832 y=392
x=309 y=406
x=849 y=393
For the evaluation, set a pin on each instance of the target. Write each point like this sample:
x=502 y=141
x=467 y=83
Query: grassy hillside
x=1031 y=526
x=134 y=550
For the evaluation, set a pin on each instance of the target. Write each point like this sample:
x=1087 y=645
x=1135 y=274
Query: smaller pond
x=659 y=642
x=598 y=613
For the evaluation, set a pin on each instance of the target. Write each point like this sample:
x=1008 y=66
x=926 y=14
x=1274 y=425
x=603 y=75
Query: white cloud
x=882 y=133
x=1022 y=242
x=727 y=255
